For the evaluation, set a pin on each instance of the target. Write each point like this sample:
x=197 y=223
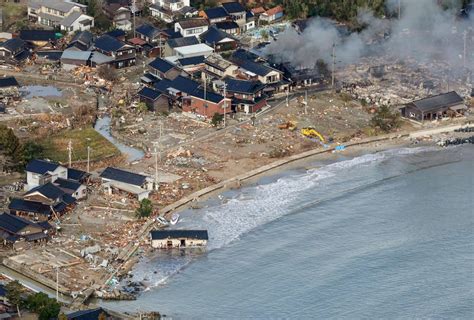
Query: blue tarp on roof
x=149 y=93
x=233 y=7
x=41 y=166
x=161 y=65
x=108 y=43
x=216 y=13
x=123 y=176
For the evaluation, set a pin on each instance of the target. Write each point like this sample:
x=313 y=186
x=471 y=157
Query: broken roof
x=41 y=166
x=176 y=234
x=76 y=174
x=439 y=101
x=7 y=82
x=48 y=190
x=115 y=174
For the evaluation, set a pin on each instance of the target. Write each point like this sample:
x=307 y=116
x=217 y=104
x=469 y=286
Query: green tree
x=93 y=8
x=385 y=120
x=46 y=307
x=31 y=150
x=216 y=119
x=102 y=22
x=145 y=209
x=142 y=107
x=14 y=291
x=62 y=316
x=9 y=143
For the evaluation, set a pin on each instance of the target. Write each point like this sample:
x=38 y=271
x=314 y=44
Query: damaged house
x=13 y=51
x=178 y=238
x=122 y=55
x=135 y=184
x=15 y=229
x=434 y=108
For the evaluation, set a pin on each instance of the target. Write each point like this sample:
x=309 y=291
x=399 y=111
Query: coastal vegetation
x=385 y=119
x=145 y=209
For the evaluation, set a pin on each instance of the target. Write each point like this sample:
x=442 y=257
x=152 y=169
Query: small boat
x=174 y=218
x=162 y=220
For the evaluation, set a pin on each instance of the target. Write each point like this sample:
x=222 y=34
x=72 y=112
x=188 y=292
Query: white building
x=195 y=50
x=191 y=27
x=165 y=239
x=68 y=16
x=40 y=172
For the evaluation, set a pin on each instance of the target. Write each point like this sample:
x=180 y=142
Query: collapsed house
x=9 y=87
x=135 y=184
x=434 y=108
x=178 y=238
x=14 y=51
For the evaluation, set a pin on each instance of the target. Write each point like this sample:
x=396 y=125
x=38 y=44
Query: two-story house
x=168 y=10
x=191 y=27
x=217 y=67
x=119 y=12
x=164 y=69
x=66 y=15
x=247 y=95
x=214 y=15
x=237 y=12
x=218 y=39
x=154 y=37
x=123 y=55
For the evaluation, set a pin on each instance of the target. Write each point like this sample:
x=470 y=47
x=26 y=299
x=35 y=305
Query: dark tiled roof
x=213 y=35
x=442 y=100
x=123 y=176
x=249 y=16
x=45 y=225
x=243 y=86
x=3 y=291
x=29 y=206
x=227 y=25
x=192 y=61
x=162 y=85
x=215 y=13
x=233 y=7
x=174 y=234
x=60 y=207
x=254 y=67
x=13 y=224
x=75 y=174
x=50 y=55
x=67 y=184
x=48 y=190
x=116 y=33
x=68 y=199
x=208 y=96
x=182 y=42
x=41 y=166
x=37 y=35
x=13 y=44
x=83 y=36
x=108 y=43
x=161 y=65
x=8 y=82
x=91 y=314
x=243 y=54
x=184 y=84
x=192 y=23
x=149 y=93
x=148 y=30
x=172 y=34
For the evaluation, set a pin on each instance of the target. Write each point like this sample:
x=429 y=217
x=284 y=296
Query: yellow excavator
x=312 y=133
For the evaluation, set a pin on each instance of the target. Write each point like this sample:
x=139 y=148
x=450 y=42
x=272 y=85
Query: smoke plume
x=424 y=32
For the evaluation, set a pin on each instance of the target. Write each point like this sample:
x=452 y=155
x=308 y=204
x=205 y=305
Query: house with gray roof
x=114 y=179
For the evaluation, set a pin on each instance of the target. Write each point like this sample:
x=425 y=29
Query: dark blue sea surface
x=384 y=236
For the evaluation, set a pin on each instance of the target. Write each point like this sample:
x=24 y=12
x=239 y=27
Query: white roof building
x=195 y=50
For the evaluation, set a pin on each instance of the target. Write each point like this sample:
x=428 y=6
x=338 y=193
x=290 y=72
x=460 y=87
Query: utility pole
x=399 y=9
x=287 y=96
x=155 y=153
x=465 y=49
x=306 y=102
x=225 y=101
x=69 y=149
x=134 y=9
x=333 y=63
x=88 y=155
x=57 y=283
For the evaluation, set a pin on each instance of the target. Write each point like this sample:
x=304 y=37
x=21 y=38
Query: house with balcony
x=119 y=12
x=122 y=55
x=191 y=27
x=65 y=15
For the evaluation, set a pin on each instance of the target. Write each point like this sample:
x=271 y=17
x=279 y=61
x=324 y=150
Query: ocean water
x=386 y=236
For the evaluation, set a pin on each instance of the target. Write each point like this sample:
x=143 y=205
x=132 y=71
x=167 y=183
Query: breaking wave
x=234 y=214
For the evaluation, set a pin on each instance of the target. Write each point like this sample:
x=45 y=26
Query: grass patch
x=55 y=147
